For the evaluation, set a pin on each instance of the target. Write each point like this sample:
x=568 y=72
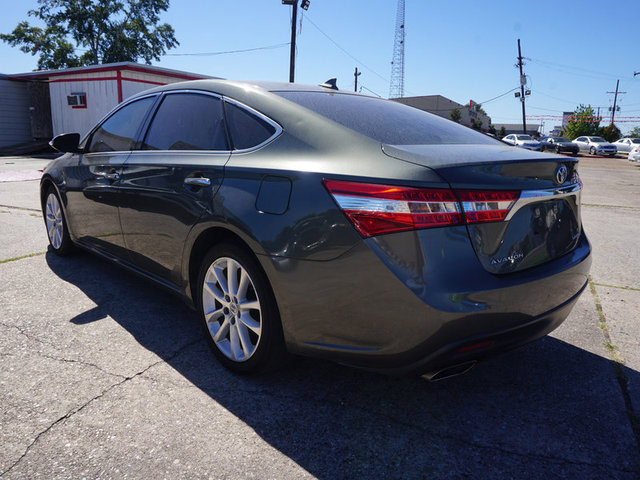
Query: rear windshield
x=386 y=121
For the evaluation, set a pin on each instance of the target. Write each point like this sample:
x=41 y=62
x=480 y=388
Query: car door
x=582 y=143
x=171 y=178
x=93 y=181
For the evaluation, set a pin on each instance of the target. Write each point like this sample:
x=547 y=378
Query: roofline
x=106 y=67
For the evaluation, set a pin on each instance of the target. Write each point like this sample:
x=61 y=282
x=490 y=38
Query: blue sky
x=460 y=49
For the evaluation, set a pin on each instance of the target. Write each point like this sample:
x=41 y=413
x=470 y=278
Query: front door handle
x=112 y=176
x=197 y=182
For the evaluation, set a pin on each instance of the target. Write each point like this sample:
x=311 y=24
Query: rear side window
x=187 y=121
x=386 y=121
x=118 y=132
x=246 y=129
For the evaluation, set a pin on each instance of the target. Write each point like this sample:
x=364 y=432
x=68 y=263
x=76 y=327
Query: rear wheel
x=238 y=311
x=57 y=230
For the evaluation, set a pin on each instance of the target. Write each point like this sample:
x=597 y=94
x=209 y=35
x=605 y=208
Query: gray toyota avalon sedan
x=308 y=220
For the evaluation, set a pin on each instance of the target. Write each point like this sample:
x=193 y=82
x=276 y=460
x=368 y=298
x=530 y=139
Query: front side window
x=187 y=121
x=118 y=132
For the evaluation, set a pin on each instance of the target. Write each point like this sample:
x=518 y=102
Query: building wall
x=442 y=106
x=101 y=93
x=104 y=90
x=15 y=119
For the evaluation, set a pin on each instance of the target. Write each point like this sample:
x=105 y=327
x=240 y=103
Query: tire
x=592 y=150
x=238 y=311
x=57 y=231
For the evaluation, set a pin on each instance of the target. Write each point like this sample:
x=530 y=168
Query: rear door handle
x=112 y=176
x=197 y=182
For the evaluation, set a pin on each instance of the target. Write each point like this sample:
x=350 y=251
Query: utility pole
x=356 y=74
x=615 y=101
x=523 y=80
x=294 y=20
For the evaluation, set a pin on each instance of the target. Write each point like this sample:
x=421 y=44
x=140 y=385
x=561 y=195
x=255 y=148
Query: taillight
x=375 y=209
x=487 y=206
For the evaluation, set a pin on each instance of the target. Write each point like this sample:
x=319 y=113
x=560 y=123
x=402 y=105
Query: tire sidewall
x=66 y=245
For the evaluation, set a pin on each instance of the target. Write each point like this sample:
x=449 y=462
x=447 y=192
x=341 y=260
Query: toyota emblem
x=561 y=174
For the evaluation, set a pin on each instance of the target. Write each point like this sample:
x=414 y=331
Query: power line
x=307 y=18
x=499 y=96
x=567 y=69
x=210 y=54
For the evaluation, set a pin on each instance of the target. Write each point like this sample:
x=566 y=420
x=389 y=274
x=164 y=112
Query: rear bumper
x=472 y=349
x=405 y=303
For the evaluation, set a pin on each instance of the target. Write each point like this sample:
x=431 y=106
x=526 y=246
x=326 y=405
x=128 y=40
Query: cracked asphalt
x=103 y=375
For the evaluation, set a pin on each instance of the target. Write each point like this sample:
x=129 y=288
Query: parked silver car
x=595 y=146
x=626 y=144
x=523 y=141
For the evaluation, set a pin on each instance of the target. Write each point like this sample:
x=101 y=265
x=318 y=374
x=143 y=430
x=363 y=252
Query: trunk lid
x=543 y=223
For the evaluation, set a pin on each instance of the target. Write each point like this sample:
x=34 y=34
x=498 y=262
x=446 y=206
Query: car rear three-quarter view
x=329 y=224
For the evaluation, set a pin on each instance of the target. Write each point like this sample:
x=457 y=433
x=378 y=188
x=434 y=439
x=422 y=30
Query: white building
x=442 y=106
x=81 y=96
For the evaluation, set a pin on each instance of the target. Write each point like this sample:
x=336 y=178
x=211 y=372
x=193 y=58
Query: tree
x=502 y=132
x=610 y=133
x=492 y=129
x=634 y=133
x=109 y=30
x=583 y=122
x=455 y=115
x=479 y=109
x=477 y=124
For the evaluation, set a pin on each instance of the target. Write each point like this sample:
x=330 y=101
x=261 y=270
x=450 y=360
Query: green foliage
x=502 y=132
x=492 y=130
x=476 y=124
x=455 y=115
x=479 y=109
x=109 y=30
x=610 y=133
x=583 y=122
x=634 y=133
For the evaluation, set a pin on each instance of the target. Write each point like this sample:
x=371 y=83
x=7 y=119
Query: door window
x=247 y=130
x=118 y=132
x=187 y=121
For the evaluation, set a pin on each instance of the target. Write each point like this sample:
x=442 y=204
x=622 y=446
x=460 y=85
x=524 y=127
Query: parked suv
x=523 y=141
x=595 y=146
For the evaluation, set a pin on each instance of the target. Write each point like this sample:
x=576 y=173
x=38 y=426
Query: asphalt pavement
x=103 y=375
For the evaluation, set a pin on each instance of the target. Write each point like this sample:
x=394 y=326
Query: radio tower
x=396 y=90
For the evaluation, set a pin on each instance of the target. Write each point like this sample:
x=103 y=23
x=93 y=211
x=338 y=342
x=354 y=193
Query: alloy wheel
x=54 y=221
x=232 y=309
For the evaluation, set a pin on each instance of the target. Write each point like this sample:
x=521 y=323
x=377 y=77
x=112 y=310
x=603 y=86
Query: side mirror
x=66 y=142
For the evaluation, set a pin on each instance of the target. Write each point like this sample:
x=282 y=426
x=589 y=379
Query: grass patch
x=23 y=256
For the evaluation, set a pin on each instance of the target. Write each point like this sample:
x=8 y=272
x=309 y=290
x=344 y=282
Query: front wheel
x=54 y=219
x=238 y=311
x=592 y=150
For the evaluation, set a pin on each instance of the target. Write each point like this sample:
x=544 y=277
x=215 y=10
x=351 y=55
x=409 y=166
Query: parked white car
x=523 y=141
x=626 y=144
x=595 y=146
x=634 y=154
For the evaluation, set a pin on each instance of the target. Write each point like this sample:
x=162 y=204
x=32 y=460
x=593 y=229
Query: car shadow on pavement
x=548 y=409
